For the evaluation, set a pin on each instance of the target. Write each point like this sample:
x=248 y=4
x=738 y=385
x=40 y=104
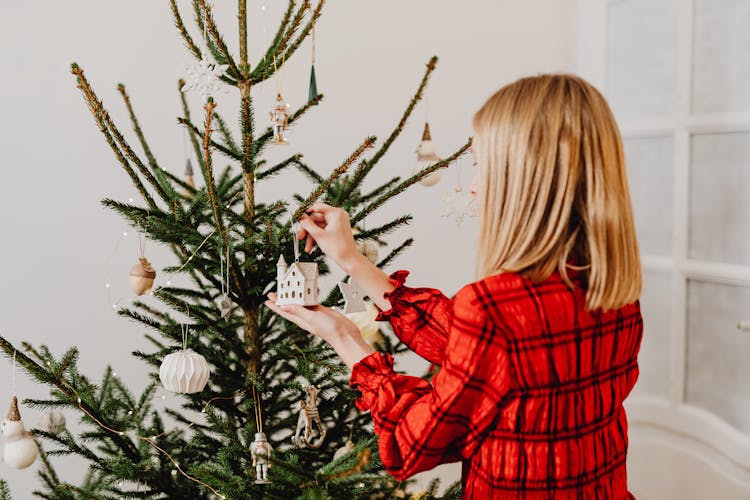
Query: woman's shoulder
x=485 y=295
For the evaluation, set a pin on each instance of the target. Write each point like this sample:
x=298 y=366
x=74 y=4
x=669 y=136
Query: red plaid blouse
x=529 y=394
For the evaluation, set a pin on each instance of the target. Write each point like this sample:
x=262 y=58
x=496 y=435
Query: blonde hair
x=553 y=189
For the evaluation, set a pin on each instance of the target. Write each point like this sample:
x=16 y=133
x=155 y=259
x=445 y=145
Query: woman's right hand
x=330 y=229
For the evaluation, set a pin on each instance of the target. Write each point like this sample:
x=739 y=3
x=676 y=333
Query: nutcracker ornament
x=261 y=451
x=20 y=449
x=308 y=415
x=280 y=119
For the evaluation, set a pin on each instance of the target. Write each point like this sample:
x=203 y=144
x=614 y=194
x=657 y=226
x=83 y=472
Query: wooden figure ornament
x=280 y=119
x=308 y=415
x=261 y=451
x=20 y=449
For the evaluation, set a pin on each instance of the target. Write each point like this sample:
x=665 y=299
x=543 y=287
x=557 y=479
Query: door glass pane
x=718 y=371
x=650 y=174
x=653 y=358
x=720 y=198
x=641 y=57
x=721 y=66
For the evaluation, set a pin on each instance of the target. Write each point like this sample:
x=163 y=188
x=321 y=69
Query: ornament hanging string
x=14 y=372
x=295 y=230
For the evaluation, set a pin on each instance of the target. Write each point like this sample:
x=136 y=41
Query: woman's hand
x=330 y=229
x=328 y=324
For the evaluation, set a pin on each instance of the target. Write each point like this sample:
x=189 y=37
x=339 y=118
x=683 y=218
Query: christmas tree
x=227 y=246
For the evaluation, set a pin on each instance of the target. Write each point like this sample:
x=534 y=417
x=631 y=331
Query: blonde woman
x=536 y=356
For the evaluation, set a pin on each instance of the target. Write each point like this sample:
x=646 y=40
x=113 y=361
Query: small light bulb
x=107 y=285
x=263 y=8
x=130 y=200
x=164 y=397
x=174 y=472
x=130 y=412
x=79 y=400
x=114 y=374
x=169 y=283
x=124 y=233
x=114 y=306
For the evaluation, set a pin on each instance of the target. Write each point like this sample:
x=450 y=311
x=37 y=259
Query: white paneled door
x=677 y=75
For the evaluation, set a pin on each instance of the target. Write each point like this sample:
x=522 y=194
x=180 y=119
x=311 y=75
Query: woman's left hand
x=328 y=324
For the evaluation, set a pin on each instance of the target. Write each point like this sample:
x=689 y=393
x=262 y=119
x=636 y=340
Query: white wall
x=58 y=240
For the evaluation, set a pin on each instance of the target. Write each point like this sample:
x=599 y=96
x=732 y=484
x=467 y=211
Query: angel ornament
x=308 y=415
x=261 y=451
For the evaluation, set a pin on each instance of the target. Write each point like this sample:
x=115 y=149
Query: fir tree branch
x=242 y=17
x=192 y=130
x=224 y=129
x=46 y=377
x=183 y=31
x=305 y=31
x=137 y=127
x=95 y=108
x=400 y=126
x=310 y=173
x=384 y=229
x=292 y=160
x=378 y=190
x=227 y=150
x=401 y=187
x=208 y=173
x=261 y=71
x=214 y=32
x=395 y=253
x=367 y=144
x=94 y=102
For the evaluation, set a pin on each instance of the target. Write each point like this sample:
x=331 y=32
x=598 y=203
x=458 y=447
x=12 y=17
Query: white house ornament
x=19 y=447
x=52 y=422
x=203 y=76
x=309 y=416
x=142 y=277
x=296 y=283
x=280 y=119
x=184 y=372
x=426 y=156
x=354 y=298
x=261 y=451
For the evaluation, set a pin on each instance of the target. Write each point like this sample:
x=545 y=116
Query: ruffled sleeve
x=421 y=424
x=379 y=385
x=420 y=317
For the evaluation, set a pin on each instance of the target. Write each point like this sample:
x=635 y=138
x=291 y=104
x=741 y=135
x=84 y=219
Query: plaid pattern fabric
x=529 y=394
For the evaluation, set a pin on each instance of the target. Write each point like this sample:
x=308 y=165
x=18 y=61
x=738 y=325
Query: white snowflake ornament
x=459 y=205
x=203 y=76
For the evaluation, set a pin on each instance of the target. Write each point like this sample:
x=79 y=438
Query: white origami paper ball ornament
x=184 y=372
